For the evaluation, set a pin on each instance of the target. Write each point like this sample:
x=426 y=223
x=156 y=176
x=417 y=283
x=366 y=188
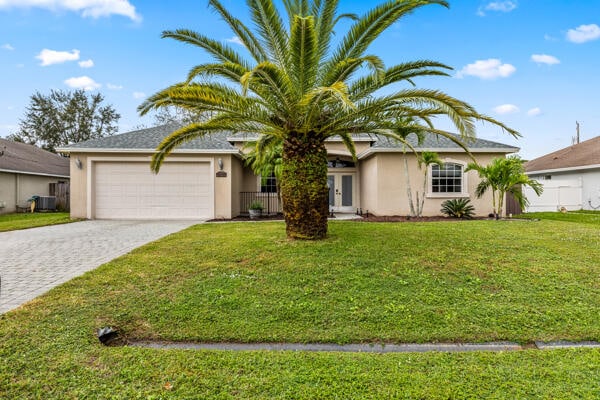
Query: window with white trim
x=268 y=184
x=447 y=178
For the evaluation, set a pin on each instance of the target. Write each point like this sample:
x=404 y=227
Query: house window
x=447 y=178
x=268 y=185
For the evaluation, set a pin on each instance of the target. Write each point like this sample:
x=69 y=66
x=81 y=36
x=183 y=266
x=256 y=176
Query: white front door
x=342 y=190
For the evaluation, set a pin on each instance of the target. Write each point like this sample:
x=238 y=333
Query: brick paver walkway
x=33 y=261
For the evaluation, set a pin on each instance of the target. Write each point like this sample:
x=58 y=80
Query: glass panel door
x=347 y=191
x=341 y=192
x=331 y=185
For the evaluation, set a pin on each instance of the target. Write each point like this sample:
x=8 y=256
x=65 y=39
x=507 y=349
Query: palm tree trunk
x=501 y=195
x=422 y=202
x=408 y=188
x=304 y=190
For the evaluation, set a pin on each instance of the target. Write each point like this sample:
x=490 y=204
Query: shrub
x=256 y=205
x=458 y=208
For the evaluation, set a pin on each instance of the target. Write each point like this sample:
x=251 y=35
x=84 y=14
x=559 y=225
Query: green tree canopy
x=501 y=176
x=299 y=86
x=62 y=118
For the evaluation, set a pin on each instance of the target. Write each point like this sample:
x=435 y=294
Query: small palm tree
x=425 y=159
x=501 y=176
x=301 y=87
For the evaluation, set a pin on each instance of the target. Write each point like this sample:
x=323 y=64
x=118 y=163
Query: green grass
x=583 y=216
x=368 y=282
x=12 y=222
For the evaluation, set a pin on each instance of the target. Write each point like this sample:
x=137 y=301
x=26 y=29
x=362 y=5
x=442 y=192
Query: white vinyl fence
x=557 y=194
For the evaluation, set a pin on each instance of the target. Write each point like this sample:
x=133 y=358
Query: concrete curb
x=366 y=348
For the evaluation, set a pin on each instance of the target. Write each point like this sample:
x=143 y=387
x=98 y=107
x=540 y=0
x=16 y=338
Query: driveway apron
x=33 y=261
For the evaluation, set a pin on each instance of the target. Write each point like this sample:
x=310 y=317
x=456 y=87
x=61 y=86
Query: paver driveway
x=33 y=261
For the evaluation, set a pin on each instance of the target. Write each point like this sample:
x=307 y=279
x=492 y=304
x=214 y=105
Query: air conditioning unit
x=46 y=203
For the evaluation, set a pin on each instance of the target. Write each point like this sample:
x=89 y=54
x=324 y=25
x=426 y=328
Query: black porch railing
x=269 y=201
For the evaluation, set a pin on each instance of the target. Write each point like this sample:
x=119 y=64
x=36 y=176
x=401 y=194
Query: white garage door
x=181 y=190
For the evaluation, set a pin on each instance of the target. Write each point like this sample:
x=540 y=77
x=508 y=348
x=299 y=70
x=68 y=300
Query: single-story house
x=26 y=170
x=571 y=178
x=207 y=178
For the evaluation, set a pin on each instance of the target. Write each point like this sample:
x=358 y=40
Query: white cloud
x=544 y=59
x=499 y=6
x=236 y=40
x=583 y=33
x=7 y=46
x=86 y=64
x=506 y=109
x=487 y=69
x=87 y=8
x=139 y=95
x=114 y=87
x=82 y=82
x=534 y=112
x=49 y=57
x=550 y=38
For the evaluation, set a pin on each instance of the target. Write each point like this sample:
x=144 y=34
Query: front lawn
x=582 y=216
x=12 y=222
x=475 y=281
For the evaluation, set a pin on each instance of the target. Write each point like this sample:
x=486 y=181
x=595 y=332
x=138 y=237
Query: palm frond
x=277 y=83
x=243 y=33
x=177 y=138
x=367 y=85
x=304 y=53
x=370 y=26
x=271 y=29
x=344 y=70
x=230 y=71
x=219 y=51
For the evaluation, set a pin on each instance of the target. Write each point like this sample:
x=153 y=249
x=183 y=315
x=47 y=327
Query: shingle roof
x=432 y=141
x=150 y=138
x=21 y=157
x=578 y=155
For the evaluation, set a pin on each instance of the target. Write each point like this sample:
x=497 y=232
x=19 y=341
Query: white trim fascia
x=370 y=151
x=12 y=171
x=331 y=139
x=90 y=174
x=567 y=169
x=149 y=151
x=362 y=139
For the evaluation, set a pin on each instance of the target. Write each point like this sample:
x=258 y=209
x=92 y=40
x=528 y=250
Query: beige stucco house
x=206 y=178
x=26 y=170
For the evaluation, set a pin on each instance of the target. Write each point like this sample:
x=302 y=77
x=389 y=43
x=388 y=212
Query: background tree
x=501 y=176
x=301 y=87
x=62 y=118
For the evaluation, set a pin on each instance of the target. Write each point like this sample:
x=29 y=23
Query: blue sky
x=532 y=64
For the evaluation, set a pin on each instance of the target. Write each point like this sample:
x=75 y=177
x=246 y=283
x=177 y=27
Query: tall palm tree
x=501 y=176
x=300 y=87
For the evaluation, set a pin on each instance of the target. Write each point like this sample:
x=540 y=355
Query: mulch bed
x=370 y=218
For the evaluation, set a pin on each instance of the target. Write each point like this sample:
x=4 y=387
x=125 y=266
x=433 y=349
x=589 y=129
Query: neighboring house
x=26 y=170
x=206 y=178
x=571 y=178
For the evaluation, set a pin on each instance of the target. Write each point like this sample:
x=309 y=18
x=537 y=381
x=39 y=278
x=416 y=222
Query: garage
x=129 y=190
